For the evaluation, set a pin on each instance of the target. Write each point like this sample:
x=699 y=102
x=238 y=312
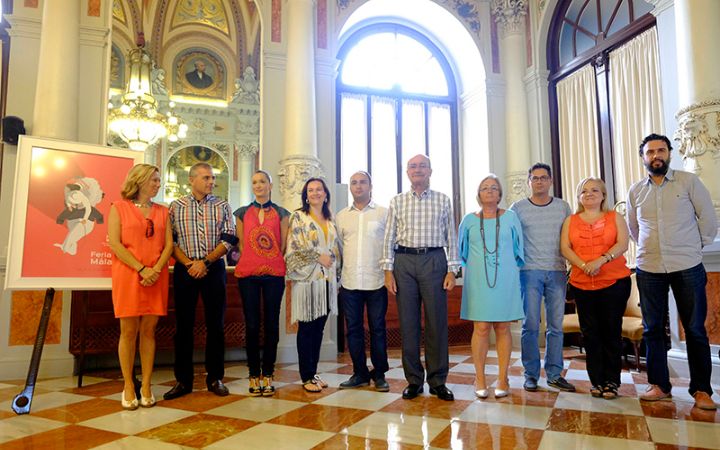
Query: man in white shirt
x=361 y=228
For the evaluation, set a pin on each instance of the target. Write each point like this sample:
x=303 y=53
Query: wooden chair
x=632 y=327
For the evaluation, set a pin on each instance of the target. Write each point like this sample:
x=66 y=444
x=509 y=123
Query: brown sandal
x=312 y=386
x=320 y=382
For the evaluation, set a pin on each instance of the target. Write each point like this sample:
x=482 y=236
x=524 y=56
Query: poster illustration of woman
x=81 y=197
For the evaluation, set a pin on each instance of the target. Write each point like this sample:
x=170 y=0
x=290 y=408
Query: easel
x=21 y=403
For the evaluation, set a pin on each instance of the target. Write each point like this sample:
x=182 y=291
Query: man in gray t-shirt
x=543 y=275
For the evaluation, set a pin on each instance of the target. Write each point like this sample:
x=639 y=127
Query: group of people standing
x=513 y=260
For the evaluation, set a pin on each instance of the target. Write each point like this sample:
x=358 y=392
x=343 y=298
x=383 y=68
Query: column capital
x=510 y=15
x=247 y=151
x=294 y=171
x=660 y=6
x=698 y=133
x=517 y=187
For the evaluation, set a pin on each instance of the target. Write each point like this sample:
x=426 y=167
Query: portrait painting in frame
x=199 y=73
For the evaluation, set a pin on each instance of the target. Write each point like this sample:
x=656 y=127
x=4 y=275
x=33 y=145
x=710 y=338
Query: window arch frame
x=598 y=57
x=398 y=95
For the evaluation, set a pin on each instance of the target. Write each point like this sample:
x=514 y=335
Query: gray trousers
x=419 y=281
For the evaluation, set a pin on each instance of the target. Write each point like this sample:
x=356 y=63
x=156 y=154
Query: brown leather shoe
x=704 y=401
x=653 y=393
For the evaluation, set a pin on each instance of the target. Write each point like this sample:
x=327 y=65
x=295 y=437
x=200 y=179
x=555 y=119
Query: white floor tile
x=50 y=400
x=359 y=399
x=399 y=428
x=553 y=440
x=274 y=437
x=507 y=414
x=256 y=409
x=26 y=425
x=684 y=432
x=622 y=405
x=133 y=422
x=137 y=443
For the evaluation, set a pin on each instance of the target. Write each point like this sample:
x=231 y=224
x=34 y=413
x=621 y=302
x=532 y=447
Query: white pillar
x=300 y=160
x=56 y=93
x=697 y=34
x=246 y=167
x=510 y=16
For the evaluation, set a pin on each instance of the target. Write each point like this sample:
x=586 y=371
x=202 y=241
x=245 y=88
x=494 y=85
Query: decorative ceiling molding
x=209 y=13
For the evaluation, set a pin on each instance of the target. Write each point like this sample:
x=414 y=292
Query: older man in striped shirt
x=420 y=229
x=203 y=231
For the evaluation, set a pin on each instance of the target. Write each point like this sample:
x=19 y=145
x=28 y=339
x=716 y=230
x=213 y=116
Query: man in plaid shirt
x=203 y=231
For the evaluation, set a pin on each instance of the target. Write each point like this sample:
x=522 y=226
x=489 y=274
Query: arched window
x=396 y=98
x=582 y=35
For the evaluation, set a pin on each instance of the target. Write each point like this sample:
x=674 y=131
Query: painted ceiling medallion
x=203 y=12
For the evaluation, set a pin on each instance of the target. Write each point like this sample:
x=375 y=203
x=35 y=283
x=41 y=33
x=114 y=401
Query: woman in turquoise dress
x=491 y=249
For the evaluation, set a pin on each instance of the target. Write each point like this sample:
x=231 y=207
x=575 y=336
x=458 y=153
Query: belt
x=416 y=250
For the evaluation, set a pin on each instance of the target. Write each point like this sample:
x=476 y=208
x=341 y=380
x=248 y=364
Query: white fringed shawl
x=310 y=280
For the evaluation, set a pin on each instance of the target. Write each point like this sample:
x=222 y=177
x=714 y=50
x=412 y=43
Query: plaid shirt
x=199 y=226
x=424 y=220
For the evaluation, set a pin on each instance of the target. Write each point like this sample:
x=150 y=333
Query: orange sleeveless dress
x=130 y=298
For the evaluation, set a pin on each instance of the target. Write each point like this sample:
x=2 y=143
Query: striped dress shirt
x=424 y=220
x=199 y=226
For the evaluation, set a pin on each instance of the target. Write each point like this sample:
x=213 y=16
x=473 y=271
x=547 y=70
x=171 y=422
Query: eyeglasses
x=150 y=229
x=490 y=188
x=543 y=178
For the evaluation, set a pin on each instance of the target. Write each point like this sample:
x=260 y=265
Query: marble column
x=510 y=16
x=56 y=94
x=698 y=133
x=246 y=167
x=300 y=160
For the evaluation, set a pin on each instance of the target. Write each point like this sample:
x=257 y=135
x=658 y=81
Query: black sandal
x=610 y=391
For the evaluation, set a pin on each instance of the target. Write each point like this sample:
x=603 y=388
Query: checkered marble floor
x=64 y=416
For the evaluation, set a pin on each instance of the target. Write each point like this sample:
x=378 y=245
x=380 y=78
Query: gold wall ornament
x=209 y=13
x=118 y=12
x=199 y=73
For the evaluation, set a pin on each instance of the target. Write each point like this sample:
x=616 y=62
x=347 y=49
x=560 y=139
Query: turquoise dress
x=480 y=301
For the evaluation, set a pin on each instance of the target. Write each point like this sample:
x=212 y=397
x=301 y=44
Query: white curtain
x=635 y=109
x=577 y=113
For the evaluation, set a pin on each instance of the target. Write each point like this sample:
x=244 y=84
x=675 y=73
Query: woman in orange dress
x=141 y=242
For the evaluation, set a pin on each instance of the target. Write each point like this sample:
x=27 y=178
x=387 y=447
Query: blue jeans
x=688 y=287
x=535 y=284
x=353 y=303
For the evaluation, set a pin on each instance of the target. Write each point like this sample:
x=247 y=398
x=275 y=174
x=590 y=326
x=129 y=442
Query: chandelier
x=138 y=120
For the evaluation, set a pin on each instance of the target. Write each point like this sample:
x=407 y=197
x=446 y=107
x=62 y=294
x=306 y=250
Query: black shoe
x=218 y=388
x=177 y=391
x=412 y=391
x=442 y=392
x=381 y=385
x=354 y=382
x=562 y=384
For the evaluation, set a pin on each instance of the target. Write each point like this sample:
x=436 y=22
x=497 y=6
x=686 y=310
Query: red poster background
x=50 y=171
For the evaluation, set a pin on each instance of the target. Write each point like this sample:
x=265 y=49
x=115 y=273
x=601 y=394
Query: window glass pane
x=622 y=19
x=413 y=134
x=353 y=136
x=641 y=7
x=566 y=44
x=418 y=70
x=384 y=165
x=362 y=62
x=584 y=42
x=588 y=19
x=440 y=143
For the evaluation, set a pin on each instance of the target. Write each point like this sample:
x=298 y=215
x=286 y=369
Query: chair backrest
x=633 y=304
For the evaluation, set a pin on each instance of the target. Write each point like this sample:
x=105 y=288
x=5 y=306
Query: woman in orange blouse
x=141 y=241
x=594 y=240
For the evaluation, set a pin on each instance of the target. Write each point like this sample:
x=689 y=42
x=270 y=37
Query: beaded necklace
x=486 y=251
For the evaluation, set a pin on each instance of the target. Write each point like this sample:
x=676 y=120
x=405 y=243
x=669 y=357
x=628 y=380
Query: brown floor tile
x=296 y=392
x=676 y=447
x=343 y=441
x=599 y=424
x=679 y=411
x=625 y=390
x=79 y=412
x=396 y=385
x=321 y=417
x=464 y=378
x=348 y=370
x=99 y=389
x=8 y=394
x=482 y=436
x=7 y=414
x=199 y=401
x=198 y=431
x=71 y=437
x=428 y=406
x=286 y=376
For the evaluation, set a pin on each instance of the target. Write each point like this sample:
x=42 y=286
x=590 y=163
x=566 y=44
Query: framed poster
x=58 y=224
